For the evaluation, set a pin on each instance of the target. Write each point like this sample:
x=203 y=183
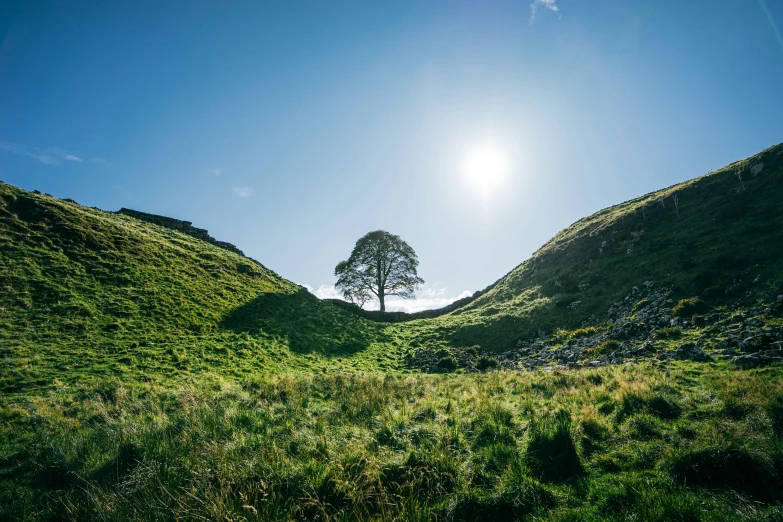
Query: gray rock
x=686 y=352
x=691 y=352
x=749 y=361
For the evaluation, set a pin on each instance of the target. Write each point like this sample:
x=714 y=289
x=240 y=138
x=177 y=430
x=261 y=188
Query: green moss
x=606 y=347
x=688 y=307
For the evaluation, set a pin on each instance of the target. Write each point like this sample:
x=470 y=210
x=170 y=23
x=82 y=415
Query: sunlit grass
x=345 y=447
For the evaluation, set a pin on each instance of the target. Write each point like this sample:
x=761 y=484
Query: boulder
x=686 y=352
x=754 y=360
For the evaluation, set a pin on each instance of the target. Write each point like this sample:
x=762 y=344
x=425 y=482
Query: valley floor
x=693 y=441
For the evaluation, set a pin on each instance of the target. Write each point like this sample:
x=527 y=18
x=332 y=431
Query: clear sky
x=474 y=130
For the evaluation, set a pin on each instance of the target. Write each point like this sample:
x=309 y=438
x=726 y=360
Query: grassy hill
x=149 y=372
x=718 y=238
x=144 y=295
x=88 y=289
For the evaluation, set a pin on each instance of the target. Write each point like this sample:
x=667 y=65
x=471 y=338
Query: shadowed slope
x=87 y=288
x=306 y=324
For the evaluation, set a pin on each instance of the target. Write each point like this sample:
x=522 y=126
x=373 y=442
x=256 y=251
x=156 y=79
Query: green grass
x=129 y=299
x=692 y=443
x=87 y=293
x=146 y=374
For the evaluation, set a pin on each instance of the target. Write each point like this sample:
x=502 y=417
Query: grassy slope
x=93 y=293
x=84 y=287
x=721 y=242
x=147 y=375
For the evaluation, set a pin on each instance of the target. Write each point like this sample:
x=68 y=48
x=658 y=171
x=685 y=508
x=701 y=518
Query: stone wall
x=186 y=227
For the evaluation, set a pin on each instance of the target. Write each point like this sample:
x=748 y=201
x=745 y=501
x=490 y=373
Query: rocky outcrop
x=638 y=327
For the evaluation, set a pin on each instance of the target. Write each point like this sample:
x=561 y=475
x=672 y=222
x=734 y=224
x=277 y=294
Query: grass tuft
x=551 y=452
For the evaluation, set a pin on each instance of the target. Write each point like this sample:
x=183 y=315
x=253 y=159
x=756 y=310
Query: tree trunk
x=381 y=282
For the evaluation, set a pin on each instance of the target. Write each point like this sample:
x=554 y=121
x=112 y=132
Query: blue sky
x=293 y=128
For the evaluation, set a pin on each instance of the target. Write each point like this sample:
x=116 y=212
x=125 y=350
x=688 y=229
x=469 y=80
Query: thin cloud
x=427 y=299
x=772 y=23
x=50 y=156
x=324 y=292
x=217 y=172
x=244 y=192
x=546 y=4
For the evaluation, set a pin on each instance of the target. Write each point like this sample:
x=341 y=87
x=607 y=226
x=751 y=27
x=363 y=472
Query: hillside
x=716 y=238
x=84 y=288
x=151 y=372
x=134 y=293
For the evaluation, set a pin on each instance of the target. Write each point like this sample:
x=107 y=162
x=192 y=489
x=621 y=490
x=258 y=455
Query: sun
x=485 y=169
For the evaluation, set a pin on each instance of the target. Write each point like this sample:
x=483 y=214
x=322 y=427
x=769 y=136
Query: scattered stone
x=691 y=352
x=630 y=332
x=747 y=362
x=686 y=352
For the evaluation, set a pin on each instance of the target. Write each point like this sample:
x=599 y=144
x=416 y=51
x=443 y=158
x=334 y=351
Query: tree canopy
x=381 y=264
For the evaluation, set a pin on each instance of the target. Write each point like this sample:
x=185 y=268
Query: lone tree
x=381 y=264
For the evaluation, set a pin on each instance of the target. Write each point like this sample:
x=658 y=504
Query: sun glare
x=486 y=168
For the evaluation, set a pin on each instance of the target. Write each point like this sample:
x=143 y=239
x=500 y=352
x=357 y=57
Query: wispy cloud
x=217 y=171
x=426 y=299
x=244 y=192
x=772 y=23
x=324 y=292
x=546 y=4
x=50 y=156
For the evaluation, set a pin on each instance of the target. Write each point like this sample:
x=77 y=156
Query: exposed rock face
x=186 y=227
